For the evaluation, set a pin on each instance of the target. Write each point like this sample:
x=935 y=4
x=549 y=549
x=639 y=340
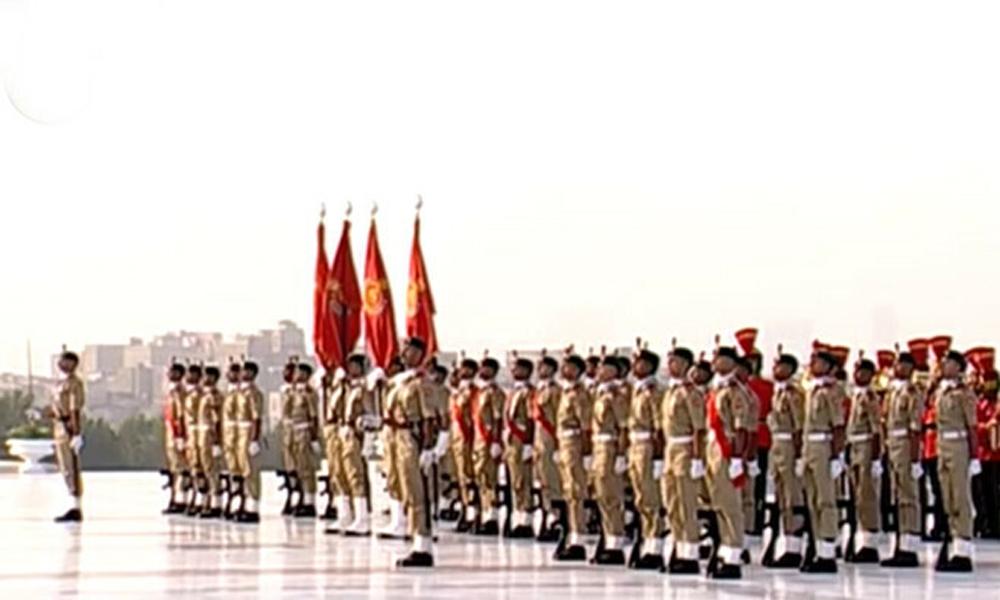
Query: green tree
x=141 y=442
x=102 y=450
x=13 y=405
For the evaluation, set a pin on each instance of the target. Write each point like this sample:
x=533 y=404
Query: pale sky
x=591 y=171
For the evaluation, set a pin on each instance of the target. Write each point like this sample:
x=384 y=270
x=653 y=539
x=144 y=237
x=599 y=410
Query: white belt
x=859 y=437
x=569 y=433
x=301 y=426
x=640 y=436
x=783 y=437
x=954 y=435
x=680 y=439
x=199 y=428
x=819 y=437
x=604 y=437
x=244 y=424
x=899 y=433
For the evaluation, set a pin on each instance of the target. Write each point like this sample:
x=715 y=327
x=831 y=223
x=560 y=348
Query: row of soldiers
x=590 y=430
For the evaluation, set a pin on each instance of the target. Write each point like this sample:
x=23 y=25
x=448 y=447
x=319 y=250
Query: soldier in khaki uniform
x=683 y=423
x=864 y=433
x=573 y=418
x=397 y=526
x=230 y=432
x=173 y=439
x=487 y=417
x=744 y=369
x=208 y=432
x=785 y=422
x=728 y=423
x=545 y=465
x=902 y=413
x=957 y=451
x=645 y=462
x=460 y=441
x=192 y=408
x=413 y=435
x=823 y=462
x=287 y=392
x=518 y=448
x=438 y=395
x=67 y=432
x=609 y=435
x=349 y=412
x=249 y=411
x=301 y=420
x=332 y=388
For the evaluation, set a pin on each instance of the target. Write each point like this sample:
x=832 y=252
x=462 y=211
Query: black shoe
x=463 y=526
x=288 y=510
x=488 y=528
x=306 y=511
x=649 y=562
x=681 y=566
x=704 y=552
x=955 y=564
x=866 y=556
x=522 y=532
x=210 y=513
x=608 y=557
x=330 y=514
x=788 y=560
x=902 y=560
x=447 y=514
x=820 y=565
x=72 y=515
x=571 y=553
x=416 y=559
x=193 y=511
x=248 y=517
x=745 y=557
x=174 y=509
x=727 y=571
x=549 y=536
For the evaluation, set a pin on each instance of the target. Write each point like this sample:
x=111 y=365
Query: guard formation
x=674 y=467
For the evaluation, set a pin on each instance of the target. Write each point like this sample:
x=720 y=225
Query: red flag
x=323 y=338
x=380 y=323
x=419 y=301
x=343 y=300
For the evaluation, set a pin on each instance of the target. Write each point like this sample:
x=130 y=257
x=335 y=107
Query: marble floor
x=126 y=549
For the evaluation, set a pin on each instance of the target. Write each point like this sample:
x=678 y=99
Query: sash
x=512 y=427
x=539 y=416
x=719 y=431
x=456 y=416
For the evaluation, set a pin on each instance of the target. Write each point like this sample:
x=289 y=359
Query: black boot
x=820 y=565
x=72 y=515
x=488 y=528
x=788 y=560
x=248 y=517
x=174 y=509
x=416 y=560
x=726 y=571
x=682 y=566
x=902 y=559
x=522 y=532
x=306 y=511
x=608 y=557
x=571 y=553
x=649 y=562
x=866 y=555
x=210 y=513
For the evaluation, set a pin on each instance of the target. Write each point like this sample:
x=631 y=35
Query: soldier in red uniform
x=985 y=486
x=920 y=351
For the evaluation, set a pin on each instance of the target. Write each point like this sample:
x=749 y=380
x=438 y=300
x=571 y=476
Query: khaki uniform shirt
x=69 y=397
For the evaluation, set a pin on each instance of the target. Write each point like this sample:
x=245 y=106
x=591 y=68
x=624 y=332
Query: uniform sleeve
x=875 y=414
x=657 y=398
x=835 y=405
x=76 y=398
x=798 y=409
x=914 y=411
x=969 y=409
x=740 y=406
x=585 y=410
x=312 y=404
x=696 y=410
x=256 y=400
x=620 y=409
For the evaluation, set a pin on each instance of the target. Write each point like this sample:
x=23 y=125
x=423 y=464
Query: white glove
x=837 y=467
x=315 y=447
x=735 y=468
x=441 y=445
x=621 y=465
x=588 y=461
x=179 y=444
x=753 y=469
x=345 y=432
x=800 y=467
x=527 y=452
x=657 y=469
x=76 y=443
x=975 y=468
x=369 y=446
x=371 y=422
x=697 y=468
x=216 y=451
x=876 y=469
x=916 y=470
x=339 y=374
x=375 y=376
x=426 y=460
x=495 y=450
x=254 y=448
x=555 y=457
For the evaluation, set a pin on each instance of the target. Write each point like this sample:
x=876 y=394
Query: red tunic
x=930 y=449
x=764 y=390
x=985 y=409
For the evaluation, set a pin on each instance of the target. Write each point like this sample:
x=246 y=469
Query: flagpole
x=343 y=311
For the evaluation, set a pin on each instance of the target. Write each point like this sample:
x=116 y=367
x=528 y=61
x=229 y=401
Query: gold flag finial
x=350 y=209
x=420 y=203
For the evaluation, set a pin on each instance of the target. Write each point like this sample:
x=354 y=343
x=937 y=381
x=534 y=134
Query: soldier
x=545 y=403
x=397 y=526
x=230 y=431
x=350 y=411
x=957 y=449
x=785 y=424
x=460 y=441
x=590 y=377
x=301 y=419
x=573 y=417
x=645 y=454
x=287 y=392
x=518 y=434
x=728 y=447
x=683 y=422
x=864 y=437
x=333 y=386
x=610 y=448
x=67 y=432
x=487 y=415
x=192 y=408
x=763 y=391
x=249 y=411
x=437 y=395
x=413 y=435
x=823 y=462
x=903 y=409
x=209 y=434
x=744 y=370
x=173 y=438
